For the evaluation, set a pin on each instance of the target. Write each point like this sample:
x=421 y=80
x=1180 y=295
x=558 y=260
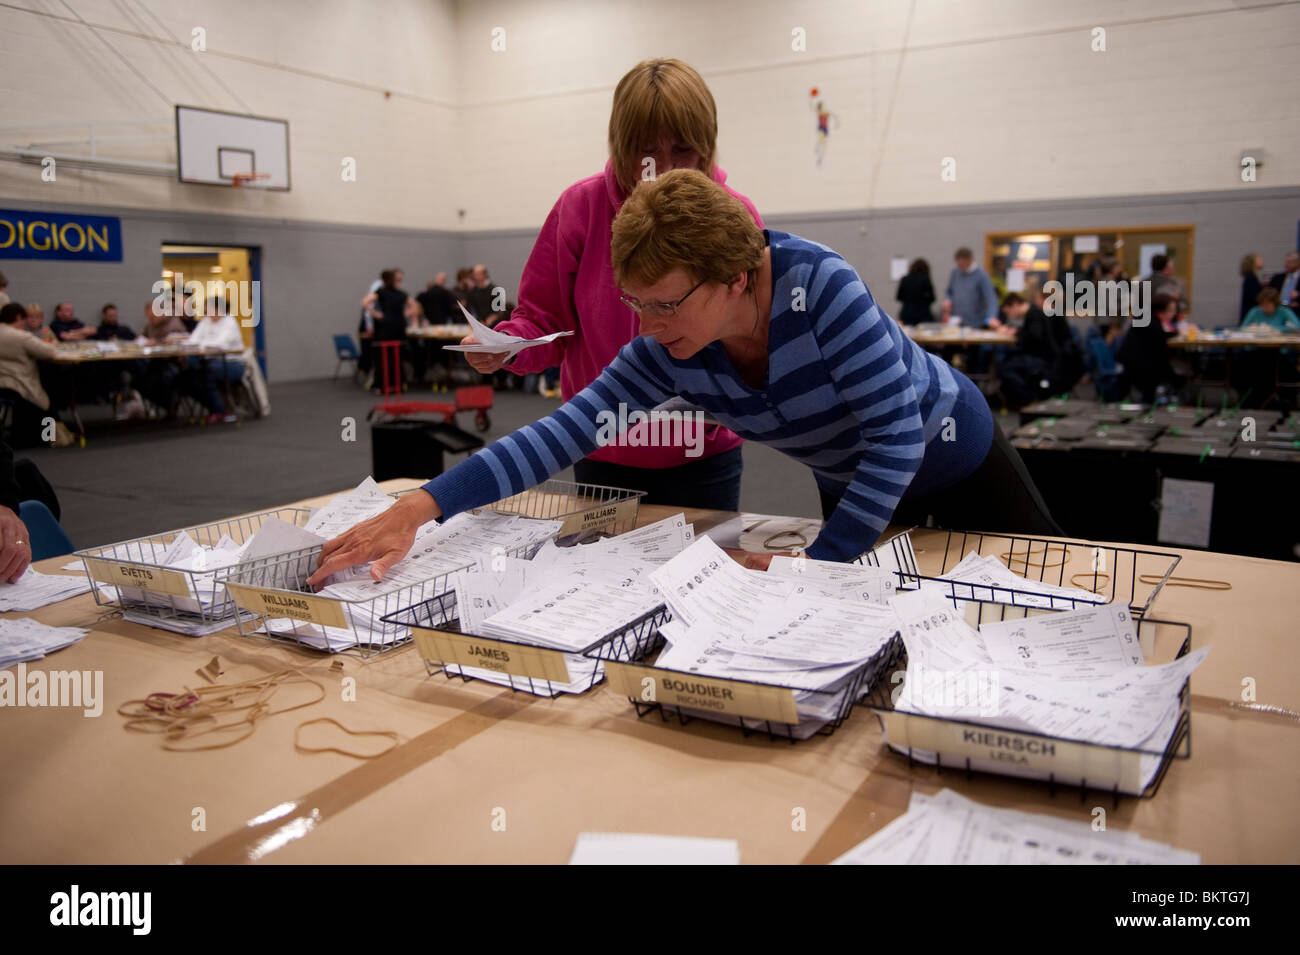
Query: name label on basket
x=732 y=697
x=608 y=516
x=1100 y=766
x=139 y=576
x=512 y=659
x=285 y=603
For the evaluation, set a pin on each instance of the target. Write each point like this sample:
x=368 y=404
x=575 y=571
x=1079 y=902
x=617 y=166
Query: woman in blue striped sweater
x=779 y=340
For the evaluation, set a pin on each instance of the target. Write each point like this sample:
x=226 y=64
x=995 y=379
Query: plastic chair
x=346 y=350
x=47 y=537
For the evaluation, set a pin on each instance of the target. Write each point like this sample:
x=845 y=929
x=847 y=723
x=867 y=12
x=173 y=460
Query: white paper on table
x=279 y=537
x=493 y=342
x=854 y=581
x=34 y=590
x=621 y=848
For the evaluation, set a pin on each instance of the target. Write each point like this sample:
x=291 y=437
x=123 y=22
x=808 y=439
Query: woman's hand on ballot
x=380 y=542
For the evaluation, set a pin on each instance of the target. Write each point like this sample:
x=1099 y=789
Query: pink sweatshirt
x=569 y=274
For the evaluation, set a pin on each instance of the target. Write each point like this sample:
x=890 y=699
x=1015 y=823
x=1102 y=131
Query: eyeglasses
x=658 y=309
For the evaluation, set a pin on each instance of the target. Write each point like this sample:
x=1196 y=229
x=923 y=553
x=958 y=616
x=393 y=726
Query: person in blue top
x=779 y=339
x=969 y=294
x=1269 y=310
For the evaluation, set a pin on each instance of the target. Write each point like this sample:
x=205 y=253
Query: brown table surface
x=1275 y=340
x=84 y=790
x=964 y=337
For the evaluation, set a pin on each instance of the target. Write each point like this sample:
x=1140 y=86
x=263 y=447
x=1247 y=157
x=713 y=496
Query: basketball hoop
x=243 y=178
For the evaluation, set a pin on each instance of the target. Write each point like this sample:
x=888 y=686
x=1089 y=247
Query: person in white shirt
x=208 y=374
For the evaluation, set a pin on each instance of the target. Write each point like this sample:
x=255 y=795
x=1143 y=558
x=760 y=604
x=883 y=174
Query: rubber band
x=1196 y=583
x=1096 y=576
x=183 y=716
x=390 y=734
x=1008 y=557
x=803 y=541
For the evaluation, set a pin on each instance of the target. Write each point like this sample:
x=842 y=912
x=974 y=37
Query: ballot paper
x=949 y=829
x=1076 y=675
x=832 y=579
x=986 y=578
x=494 y=342
x=34 y=590
x=23 y=640
x=624 y=848
x=344 y=511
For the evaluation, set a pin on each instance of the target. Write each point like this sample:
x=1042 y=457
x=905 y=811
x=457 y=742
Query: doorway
x=229 y=277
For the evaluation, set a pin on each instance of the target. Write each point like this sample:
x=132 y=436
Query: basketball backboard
x=225 y=149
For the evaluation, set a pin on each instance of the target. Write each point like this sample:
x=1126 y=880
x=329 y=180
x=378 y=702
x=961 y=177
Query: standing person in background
x=1251 y=285
x=663 y=118
x=387 y=307
x=366 y=335
x=970 y=294
x=916 y=292
x=1287 y=282
x=438 y=303
x=1164 y=280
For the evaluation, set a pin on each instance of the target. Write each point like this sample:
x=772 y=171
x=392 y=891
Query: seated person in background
x=4 y=290
x=36 y=323
x=67 y=327
x=1269 y=310
x=158 y=327
x=1145 y=352
x=109 y=328
x=20 y=378
x=1012 y=312
x=1103 y=343
x=216 y=331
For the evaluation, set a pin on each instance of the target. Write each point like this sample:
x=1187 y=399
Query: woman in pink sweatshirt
x=663 y=118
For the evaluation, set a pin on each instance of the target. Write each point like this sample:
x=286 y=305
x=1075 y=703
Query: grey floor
x=135 y=479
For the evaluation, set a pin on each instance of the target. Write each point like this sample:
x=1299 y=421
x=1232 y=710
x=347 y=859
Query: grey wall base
x=314 y=274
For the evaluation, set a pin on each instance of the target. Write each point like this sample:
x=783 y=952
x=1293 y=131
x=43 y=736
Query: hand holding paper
x=488 y=341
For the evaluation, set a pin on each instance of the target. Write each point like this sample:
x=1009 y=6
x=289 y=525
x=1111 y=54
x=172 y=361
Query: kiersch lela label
x=732 y=697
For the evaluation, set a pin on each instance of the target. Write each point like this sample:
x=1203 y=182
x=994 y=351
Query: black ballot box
x=414 y=447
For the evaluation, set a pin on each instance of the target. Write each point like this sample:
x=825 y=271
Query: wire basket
x=587 y=510
x=277 y=597
x=524 y=667
x=1110 y=572
x=1060 y=762
x=776 y=710
x=175 y=597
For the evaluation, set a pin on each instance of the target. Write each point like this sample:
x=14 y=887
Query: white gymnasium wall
x=1011 y=89
x=321 y=64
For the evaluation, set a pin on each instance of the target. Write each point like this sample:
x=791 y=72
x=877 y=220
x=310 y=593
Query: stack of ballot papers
x=807 y=625
x=207 y=608
x=1077 y=675
x=949 y=829
x=439 y=551
x=627 y=848
x=23 y=640
x=568 y=598
x=346 y=510
x=987 y=578
x=34 y=590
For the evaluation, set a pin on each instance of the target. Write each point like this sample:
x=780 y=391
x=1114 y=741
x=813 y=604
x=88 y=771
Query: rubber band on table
x=1197 y=583
x=389 y=734
x=1099 y=578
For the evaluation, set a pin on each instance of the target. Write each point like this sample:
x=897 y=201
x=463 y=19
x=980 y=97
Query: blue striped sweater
x=847 y=393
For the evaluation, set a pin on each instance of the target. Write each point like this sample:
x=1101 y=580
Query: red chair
x=477 y=398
